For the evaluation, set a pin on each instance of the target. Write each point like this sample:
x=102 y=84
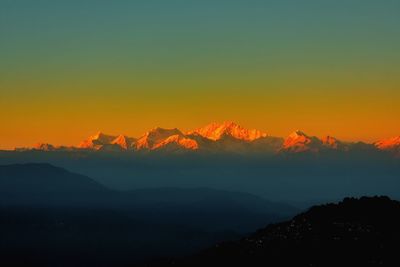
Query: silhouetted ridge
x=376 y=210
x=354 y=232
x=41 y=182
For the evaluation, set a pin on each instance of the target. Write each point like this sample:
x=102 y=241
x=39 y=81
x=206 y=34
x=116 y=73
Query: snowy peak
x=123 y=142
x=298 y=135
x=174 y=142
x=155 y=136
x=97 y=141
x=102 y=138
x=388 y=144
x=101 y=141
x=216 y=131
x=298 y=141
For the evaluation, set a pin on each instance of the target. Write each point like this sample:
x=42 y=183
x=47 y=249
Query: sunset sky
x=71 y=68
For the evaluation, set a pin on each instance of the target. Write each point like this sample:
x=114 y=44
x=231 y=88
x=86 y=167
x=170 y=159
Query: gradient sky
x=70 y=68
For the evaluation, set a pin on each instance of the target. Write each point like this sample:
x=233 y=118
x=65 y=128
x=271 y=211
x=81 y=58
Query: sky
x=71 y=68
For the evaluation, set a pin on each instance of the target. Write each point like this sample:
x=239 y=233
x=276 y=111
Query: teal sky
x=335 y=60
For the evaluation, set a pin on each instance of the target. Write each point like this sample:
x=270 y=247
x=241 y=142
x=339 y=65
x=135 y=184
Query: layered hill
x=33 y=183
x=45 y=185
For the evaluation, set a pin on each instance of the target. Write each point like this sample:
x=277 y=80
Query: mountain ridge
x=219 y=137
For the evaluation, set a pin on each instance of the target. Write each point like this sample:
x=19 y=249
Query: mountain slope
x=354 y=232
x=152 y=138
x=391 y=145
x=97 y=142
x=123 y=142
x=299 y=142
x=216 y=131
x=175 y=143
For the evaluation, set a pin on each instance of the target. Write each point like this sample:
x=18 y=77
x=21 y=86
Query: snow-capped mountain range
x=224 y=137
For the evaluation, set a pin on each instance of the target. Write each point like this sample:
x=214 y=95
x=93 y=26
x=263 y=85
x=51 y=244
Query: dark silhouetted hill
x=299 y=177
x=32 y=184
x=52 y=217
x=354 y=232
x=44 y=178
x=43 y=185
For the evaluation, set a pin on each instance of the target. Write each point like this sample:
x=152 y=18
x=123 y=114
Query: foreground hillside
x=354 y=232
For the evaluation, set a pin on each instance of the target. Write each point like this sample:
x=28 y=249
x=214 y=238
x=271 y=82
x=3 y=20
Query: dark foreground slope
x=355 y=232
